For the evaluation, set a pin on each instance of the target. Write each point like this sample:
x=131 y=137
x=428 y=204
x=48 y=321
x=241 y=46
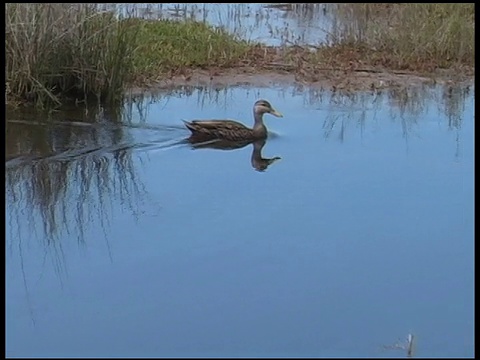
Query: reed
x=55 y=52
x=408 y=36
x=61 y=52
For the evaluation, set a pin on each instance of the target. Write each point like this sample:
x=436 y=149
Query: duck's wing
x=215 y=125
x=224 y=129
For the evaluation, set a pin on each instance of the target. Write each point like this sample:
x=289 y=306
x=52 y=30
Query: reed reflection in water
x=66 y=177
x=366 y=185
x=407 y=107
x=271 y=24
x=67 y=171
x=346 y=112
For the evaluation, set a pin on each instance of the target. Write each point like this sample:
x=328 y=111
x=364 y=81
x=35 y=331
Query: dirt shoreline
x=335 y=80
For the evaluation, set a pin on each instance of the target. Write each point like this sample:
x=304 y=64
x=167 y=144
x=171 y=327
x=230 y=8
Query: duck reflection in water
x=258 y=162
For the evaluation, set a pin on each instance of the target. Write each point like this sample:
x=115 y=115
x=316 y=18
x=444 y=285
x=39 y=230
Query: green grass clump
x=168 y=45
x=61 y=52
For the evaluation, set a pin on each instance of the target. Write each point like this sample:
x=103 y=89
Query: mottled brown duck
x=233 y=130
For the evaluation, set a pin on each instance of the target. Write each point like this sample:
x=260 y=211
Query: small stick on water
x=403 y=345
x=410 y=338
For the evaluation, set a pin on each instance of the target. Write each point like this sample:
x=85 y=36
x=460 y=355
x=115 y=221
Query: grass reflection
x=348 y=109
x=279 y=24
x=406 y=106
x=68 y=170
x=63 y=177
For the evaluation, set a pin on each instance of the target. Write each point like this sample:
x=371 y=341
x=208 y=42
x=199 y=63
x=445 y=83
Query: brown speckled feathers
x=233 y=130
x=222 y=129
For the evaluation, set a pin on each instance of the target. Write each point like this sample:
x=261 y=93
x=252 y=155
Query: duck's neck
x=259 y=127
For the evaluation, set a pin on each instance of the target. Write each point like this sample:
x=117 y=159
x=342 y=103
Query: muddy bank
x=341 y=80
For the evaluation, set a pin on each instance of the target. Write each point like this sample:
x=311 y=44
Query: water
x=270 y=24
x=122 y=240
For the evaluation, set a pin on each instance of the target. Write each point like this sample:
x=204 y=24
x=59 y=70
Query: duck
x=233 y=130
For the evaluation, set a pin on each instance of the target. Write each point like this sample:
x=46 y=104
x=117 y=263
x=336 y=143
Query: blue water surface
x=360 y=235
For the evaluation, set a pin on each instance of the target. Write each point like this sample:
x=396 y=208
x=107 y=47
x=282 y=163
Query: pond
x=269 y=24
x=123 y=239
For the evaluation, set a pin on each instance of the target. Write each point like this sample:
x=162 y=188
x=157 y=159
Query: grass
x=165 y=46
x=415 y=37
x=57 y=53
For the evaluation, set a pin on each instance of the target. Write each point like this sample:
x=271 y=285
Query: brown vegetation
x=61 y=52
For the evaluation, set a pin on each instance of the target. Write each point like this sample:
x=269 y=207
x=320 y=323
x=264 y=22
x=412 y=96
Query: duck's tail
x=189 y=125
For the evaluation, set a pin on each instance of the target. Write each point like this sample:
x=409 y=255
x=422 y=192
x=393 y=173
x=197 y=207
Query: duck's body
x=233 y=130
x=224 y=129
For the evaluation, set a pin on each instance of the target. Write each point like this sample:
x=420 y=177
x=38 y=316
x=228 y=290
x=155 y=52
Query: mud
x=341 y=80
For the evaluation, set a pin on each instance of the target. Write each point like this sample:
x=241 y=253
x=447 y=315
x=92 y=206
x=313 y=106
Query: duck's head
x=263 y=107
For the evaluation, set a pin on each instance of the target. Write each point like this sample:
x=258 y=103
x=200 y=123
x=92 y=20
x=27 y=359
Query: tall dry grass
x=410 y=35
x=57 y=51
